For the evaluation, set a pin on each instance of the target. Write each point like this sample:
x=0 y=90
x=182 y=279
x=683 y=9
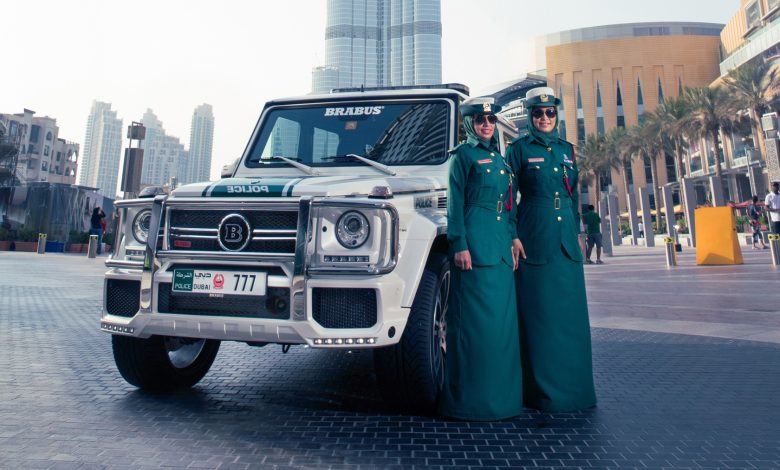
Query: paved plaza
x=686 y=362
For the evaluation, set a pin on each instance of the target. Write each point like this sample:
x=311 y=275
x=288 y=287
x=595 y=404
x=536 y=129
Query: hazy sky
x=172 y=55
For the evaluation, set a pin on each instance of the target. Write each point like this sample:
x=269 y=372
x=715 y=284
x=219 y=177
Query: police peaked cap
x=474 y=106
x=541 y=96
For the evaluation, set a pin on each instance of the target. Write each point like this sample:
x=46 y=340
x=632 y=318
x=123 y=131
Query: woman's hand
x=517 y=252
x=463 y=260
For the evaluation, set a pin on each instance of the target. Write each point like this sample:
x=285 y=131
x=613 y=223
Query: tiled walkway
x=666 y=400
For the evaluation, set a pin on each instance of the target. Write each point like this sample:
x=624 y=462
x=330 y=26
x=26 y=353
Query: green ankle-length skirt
x=555 y=335
x=483 y=379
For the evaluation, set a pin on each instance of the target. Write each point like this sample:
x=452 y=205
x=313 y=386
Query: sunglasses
x=539 y=112
x=482 y=118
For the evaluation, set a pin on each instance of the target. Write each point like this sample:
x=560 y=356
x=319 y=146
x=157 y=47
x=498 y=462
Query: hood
x=275 y=186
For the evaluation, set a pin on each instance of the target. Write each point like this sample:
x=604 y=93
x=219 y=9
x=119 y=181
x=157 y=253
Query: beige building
x=611 y=76
x=42 y=155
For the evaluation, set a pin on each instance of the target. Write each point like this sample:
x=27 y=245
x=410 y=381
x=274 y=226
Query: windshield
x=401 y=133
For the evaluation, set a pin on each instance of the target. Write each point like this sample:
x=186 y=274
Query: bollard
x=41 y=243
x=92 y=249
x=774 y=248
x=671 y=252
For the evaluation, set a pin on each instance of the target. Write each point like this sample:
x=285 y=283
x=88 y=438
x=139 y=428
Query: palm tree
x=643 y=140
x=712 y=110
x=594 y=158
x=617 y=146
x=672 y=116
x=752 y=85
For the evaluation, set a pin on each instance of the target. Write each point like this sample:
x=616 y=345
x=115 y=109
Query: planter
x=77 y=247
x=26 y=246
x=5 y=246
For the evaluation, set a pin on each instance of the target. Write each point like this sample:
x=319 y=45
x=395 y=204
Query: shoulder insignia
x=455 y=149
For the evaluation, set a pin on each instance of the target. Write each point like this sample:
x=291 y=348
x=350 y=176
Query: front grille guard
x=152 y=263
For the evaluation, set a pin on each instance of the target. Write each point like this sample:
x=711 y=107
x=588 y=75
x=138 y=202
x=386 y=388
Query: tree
x=672 y=116
x=617 y=145
x=644 y=141
x=596 y=159
x=751 y=86
x=712 y=110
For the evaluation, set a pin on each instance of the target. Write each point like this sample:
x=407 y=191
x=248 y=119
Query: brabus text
x=354 y=111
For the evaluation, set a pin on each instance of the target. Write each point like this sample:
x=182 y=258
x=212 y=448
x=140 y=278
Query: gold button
x=554 y=169
x=498 y=218
x=559 y=218
x=492 y=154
x=500 y=195
x=549 y=149
x=489 y=170
x=556 y=193
x=502 y=172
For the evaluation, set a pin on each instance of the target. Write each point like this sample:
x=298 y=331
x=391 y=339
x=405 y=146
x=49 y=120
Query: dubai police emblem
x=486 y=107
x=543 y=98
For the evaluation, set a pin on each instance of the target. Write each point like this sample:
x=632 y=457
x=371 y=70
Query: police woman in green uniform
x=483 y=380
x=551 y=303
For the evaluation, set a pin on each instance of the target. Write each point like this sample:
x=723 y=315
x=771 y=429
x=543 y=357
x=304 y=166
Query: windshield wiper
x=383 y=168
x=304 y=168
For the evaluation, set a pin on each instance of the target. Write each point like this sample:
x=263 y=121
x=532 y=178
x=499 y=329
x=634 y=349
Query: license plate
x=217 y=283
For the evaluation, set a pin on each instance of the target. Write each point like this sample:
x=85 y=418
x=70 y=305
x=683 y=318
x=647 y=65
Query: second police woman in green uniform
x=552 y=307
x=483 y=381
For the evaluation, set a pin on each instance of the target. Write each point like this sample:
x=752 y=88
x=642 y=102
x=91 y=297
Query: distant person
x=96 y=226
x=593 y=226
x=772 y=202
x=753 y=216
x=641 y=228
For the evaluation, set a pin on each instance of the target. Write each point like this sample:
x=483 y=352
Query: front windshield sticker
x=354 y=111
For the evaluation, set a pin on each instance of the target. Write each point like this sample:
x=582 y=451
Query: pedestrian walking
x=552 y=306
x=96 y=226
x=755 y=224
x=593 y=226
x=483 y=379
x=772 y=201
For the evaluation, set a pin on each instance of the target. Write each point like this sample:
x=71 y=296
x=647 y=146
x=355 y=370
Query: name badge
x=535 y=160
x=486 y=160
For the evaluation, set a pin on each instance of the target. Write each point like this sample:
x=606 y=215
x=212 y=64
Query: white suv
x=330 y=232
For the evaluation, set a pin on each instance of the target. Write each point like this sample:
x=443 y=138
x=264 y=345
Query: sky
x=173 y=55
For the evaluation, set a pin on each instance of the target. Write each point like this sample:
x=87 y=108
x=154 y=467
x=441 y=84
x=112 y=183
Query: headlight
x=141 y=225
x=352 y=229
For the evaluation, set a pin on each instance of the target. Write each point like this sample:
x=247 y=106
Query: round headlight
x=141 y=225
x=352 y=229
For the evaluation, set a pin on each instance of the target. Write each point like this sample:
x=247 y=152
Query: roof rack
x=452 y=86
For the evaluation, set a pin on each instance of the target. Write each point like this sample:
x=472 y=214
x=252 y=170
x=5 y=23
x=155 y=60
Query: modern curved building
x=610 y=76
x=374 y=43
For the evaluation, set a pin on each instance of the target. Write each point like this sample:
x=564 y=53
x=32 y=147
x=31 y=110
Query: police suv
x=329 y=231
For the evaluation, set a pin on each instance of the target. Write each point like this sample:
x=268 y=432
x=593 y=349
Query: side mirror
x=229 y=169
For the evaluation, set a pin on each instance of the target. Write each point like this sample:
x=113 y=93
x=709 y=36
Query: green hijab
x=473 y=138
x=546 y=138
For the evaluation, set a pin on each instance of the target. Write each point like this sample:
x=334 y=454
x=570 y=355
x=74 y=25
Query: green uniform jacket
x=478 y=217
x=547 y=216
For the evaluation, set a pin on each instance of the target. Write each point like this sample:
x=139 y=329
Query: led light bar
x=117 y=328
x=346 y=259
x=342 y=341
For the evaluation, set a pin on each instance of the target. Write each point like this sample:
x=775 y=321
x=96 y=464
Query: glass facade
x=102 y=150
x=375 y=43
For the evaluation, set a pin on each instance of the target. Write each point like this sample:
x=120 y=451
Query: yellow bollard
x=716 y=236
x=774 y=248
x=92 y=249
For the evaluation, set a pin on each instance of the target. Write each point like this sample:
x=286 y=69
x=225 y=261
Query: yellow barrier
x=716 y=236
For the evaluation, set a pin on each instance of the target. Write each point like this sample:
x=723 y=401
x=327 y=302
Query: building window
x=660 y=91
x=34 y=131
x=640 y=102
x=599 y=111
x=629 y=174
x=580 y=118
x=48 y=136
x=45 y=150
x=13 y=128
x=44 y=166
x=753 y=14
x=621 y=118
x=671 y=171
x=59 y=154
x=561 y=115
x=771 y=5
x=679 y=86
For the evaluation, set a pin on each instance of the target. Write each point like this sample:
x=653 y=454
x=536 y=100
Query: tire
x=163 y=363
x=411 y=373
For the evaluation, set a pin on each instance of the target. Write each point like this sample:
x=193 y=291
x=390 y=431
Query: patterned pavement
x=666 y=400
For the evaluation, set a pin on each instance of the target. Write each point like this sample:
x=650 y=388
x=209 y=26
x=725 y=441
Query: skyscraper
x=201 y=140
x=380 y=43
x=102 y=150
x=164 y=155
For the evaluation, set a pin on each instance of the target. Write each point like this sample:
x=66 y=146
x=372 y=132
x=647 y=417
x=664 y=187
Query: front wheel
x=163 y=363
x=411 y=373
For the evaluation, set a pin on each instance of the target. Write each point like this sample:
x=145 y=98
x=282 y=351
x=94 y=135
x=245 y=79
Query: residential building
x=372 y=43
x=40 y=154
x=102 y=150
x=201 y=141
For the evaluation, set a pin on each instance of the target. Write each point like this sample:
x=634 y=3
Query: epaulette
x=455 y=149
